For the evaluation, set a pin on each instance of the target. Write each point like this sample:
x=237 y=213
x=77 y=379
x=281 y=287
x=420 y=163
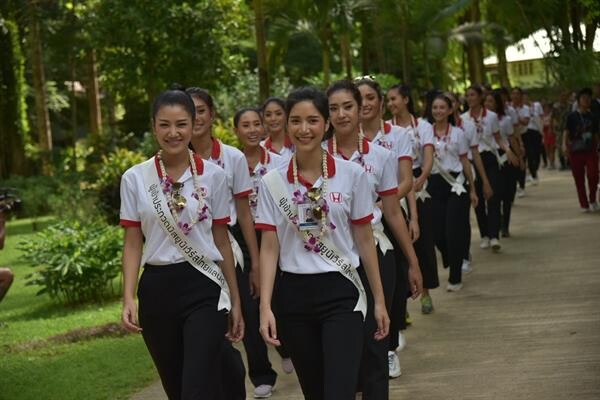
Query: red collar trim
x=387 y=128
x=330 y=170
x=216 y=149
x=483 y=113
x=197 y=159
x=365 y=145
x=445 y=135
x=265 y=158
x=287 y=142
x=459 y=121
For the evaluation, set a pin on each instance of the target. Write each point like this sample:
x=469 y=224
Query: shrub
x=74 y=263
x=34 y=192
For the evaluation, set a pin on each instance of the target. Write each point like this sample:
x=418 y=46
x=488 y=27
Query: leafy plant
x=74 y=263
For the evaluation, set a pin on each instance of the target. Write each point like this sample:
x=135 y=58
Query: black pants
x=488 y=211
x=322 y=333
x=508 y=182
x=400 y=293
x=260 y=371
x=182 y=329
x=532 y=140
x=374 y=370
x=425 y=245
x=451 y=213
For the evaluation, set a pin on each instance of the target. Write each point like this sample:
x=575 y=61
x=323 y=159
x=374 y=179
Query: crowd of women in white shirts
x=313 y=235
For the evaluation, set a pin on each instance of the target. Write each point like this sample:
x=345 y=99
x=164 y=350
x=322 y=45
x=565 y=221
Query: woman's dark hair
x=433 y=96
x=203 y=95
x=348 y=85
x=277 y=100
x=311 y=94
x=497 y=96
x=518 y=89
x=404 y=91
x=476 y=88
x=176 y=95
x=585 y=91
x=242 y=111
x=372 y=83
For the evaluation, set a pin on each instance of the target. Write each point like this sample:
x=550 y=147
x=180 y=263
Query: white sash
x=455 y=184
x=188 y=249
x=238 y=254
x=329 y=252
x=423 y=194
x=501 y=158
x=381 y=238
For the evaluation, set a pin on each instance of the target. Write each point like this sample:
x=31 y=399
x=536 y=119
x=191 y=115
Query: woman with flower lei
x=179 y=315
x=248 y=127
x=348 y=143
x=316 y=303
x=277 y=141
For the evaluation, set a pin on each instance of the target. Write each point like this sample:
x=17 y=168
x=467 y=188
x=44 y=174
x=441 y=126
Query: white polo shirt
x=449 y=149
x=536 y=112
x=349 y=199
x=234 y=163
x=470 y=132
x=392 y=139
x=506 y=129
x=268 y=161
x=381 y=168
x=286 y=151
x=420 y=133
x=522 y=112
x=512 y=113
x=486 y=125
x=137 y=210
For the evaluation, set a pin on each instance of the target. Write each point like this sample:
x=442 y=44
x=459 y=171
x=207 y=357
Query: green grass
x=108 y=368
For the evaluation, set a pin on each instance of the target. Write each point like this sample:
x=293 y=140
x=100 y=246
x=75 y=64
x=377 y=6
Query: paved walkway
x=525 y=326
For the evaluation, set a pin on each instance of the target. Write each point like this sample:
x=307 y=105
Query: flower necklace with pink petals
x=320 y=208
x=361 y=137
x=255 y=176
x=176 y=200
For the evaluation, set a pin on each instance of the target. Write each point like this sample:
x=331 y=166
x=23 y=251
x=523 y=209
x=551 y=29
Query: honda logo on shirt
x=336 y=197
x=368 y=168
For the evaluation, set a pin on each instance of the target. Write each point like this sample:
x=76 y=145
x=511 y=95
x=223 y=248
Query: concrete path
x=525 y=326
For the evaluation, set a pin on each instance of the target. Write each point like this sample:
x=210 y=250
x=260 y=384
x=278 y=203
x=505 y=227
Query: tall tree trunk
x=39 y=82
x=502 y=64
x=365 y=34
x=590 y=34
x=13 y=108
x=326 y=54
x=93 y=92
x=575 y=13
x=475 y=48
x=73 y=111
x=379 y=49
x=346 y=54
x=404 y=56
x=261 y=50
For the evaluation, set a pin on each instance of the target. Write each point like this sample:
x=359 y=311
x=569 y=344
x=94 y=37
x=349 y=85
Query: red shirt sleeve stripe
x=388 y=192
x=222 y=221
x=463 y=155
x=129 y=223
x=364 y=220
x=265 y=227
x=409 y=158
x=243 y=194
x=428 y=144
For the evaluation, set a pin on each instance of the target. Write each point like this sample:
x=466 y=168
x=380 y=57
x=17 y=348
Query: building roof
x=533 y=47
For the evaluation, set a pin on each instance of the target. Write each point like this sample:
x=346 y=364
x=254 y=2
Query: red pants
x=580 y=162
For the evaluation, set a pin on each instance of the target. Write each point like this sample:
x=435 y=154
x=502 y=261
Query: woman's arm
x=269 y=254
x=487 y=188
x=363 y=235
x=397 y=223
x=405 y=177
x=235 y=332
x=247 y=226
x=132 y=256
x=469 y=173
x=413 y=224
x=425 y=168
x=504 y=146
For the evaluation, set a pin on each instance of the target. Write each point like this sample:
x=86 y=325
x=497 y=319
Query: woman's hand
x=487 y=191
x=474 y=198
x=415 y=280
x=129 y=317
x=382 y=319
x=418 y=184
x=235 y=332
x=512 y=158
x=268 y=326
x=413 y=229
x=254 y=282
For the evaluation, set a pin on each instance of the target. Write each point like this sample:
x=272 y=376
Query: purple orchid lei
x=311 y=243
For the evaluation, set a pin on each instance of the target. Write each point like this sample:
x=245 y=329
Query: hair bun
x=177 y=86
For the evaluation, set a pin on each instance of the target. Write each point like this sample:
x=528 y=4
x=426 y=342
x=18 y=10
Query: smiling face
x=371 y=103
x=490 y=102
x=396 y=103
x=274 y=118
x=343 y=112
x=173 y=129
x=249 y=129
x=204 y=117
x=306 y=126
x=473 y=98
x=440 y=109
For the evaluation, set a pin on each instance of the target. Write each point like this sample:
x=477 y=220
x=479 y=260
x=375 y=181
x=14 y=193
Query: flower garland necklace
x=176 y=200
x=313 y=196
x=255 y=176
x=361 y=137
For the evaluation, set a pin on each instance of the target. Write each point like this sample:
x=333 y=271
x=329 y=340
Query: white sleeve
x=242 y=185
x=265 y=208
x=220 y=198
x=463 y=143
x=508 y=126
x=495 y=123
x=403 y=147
x=361 y=206
x=525 y=112
x=388 y=184
x=129 y=213
x=426 y=134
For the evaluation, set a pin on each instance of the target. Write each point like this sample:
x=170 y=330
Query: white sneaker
x=401 y=342
x=454 y=287
x=287 y=366
x=595 y=207
x=394 y=365
x=529 y=178
x=535 y=181
x=520 y=192
x=466 y=267
x=263 y=391
x=495 y=243
x=586 y=210
x=485 y=242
